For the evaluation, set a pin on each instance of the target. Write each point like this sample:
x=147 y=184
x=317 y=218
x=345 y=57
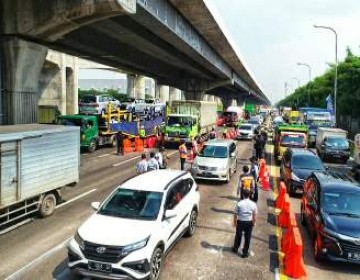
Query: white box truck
x=36 y=161
x=188 y=119
x=332 y=144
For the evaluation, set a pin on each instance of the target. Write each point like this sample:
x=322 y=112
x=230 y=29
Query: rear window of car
x=88 y=99
x=311 y=162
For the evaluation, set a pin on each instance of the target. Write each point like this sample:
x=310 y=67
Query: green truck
x=188 y=119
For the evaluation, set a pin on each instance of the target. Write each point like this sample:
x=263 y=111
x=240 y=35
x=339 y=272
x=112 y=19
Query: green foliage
x=112 y=92
x=348 y=97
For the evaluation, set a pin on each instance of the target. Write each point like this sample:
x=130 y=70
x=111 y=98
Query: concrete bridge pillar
x=140 y=87
x=162 y=92
x=174 y=94
x=194 y=95
x=22 y=64
x=130 y=79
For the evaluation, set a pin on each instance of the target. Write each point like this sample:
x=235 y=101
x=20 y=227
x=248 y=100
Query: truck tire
x=47 y=206
x=92 y=146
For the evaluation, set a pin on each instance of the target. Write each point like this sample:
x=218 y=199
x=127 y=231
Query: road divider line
x=125 y=161
x=172 y=153
x=104 y=155
x=75 y=198
x=22 y=271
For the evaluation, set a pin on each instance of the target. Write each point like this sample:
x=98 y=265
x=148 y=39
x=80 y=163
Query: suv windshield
x=214 y=151
x=179 y=121
x=246 y=127
x=337 y=142
x=133 y=204
x=307 y=162
x=342 y=203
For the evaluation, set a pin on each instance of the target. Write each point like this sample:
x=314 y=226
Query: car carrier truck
x=36 y=162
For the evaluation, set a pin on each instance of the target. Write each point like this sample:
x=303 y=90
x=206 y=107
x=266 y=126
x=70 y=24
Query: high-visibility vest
x=247 y=182
x=182 y=151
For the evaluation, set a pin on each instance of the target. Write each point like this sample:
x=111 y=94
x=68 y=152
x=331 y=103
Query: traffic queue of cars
x=330 y=208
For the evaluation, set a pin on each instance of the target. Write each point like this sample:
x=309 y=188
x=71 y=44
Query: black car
x=330 y=209
x=296 y=165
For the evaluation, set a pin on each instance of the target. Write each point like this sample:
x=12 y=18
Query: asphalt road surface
x=37 y=250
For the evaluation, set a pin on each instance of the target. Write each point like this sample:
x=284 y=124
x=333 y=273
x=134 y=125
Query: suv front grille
x=201 y=167
x=350 y=247
x=112 y=254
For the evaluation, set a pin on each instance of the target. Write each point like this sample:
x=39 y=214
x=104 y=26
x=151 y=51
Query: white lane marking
x=75 y=198
x=173 y=153
x=125 y=161
x=104 y=155
x=19 y=273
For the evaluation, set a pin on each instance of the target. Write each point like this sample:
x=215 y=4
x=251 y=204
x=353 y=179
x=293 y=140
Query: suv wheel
x=156 y=264
x=92 y=146
x=192 y=223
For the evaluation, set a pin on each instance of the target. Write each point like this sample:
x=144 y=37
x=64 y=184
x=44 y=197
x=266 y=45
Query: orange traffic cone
x=265 y=182
x=293 y=261
x=284 y=216
x=280 y=200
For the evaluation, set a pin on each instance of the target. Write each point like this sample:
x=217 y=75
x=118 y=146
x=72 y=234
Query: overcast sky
x=272 y=36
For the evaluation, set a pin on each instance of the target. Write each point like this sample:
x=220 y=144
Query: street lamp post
x=309 y=69
x=336 y=64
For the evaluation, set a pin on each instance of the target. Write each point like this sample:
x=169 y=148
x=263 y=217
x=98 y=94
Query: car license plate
x=176 y=139
x=354 y=256
x=207 y=174
x=97 y=266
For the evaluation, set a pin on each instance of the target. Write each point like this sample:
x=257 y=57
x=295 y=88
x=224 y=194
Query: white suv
x=135 y=226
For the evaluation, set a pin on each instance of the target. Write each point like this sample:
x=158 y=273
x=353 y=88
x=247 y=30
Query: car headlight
x=79 y=240
x=135 y=246
x=294 y=177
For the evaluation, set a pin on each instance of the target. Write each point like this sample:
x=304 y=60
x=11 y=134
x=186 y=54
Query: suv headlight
x=294 y=177
x=135 y=246
x=79 y=240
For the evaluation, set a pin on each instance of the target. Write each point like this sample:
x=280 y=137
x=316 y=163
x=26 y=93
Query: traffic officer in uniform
x=182 y=154
x=244 y=221
x=254 y=171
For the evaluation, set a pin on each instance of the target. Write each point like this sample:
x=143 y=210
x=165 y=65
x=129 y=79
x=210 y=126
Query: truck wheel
x=47 y=206
x=92 y=146
x=113 y=141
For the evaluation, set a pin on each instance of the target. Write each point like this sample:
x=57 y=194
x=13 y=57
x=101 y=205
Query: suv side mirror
x=95 y=205
x=169 y=214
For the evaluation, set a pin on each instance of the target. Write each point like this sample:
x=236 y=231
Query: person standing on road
x=244 y=221
x=120 y=143
x=142 y=165
x=182 y=154
x=254 y=171
x=246 y=182
x=153 y=163
x=259 y=146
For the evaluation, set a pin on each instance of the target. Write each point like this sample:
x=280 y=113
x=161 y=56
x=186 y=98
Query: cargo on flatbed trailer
x=36 y=162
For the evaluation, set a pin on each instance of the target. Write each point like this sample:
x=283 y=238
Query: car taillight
x=94 y=105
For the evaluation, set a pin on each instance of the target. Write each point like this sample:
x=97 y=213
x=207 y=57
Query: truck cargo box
x=36 y=159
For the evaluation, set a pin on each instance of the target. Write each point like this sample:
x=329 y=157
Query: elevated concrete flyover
x=178 y=43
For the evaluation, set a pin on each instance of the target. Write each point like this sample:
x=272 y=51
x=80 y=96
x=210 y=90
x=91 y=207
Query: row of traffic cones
x=291 y=241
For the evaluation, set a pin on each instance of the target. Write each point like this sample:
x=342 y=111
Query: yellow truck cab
x=295 y=117
x=289 y=136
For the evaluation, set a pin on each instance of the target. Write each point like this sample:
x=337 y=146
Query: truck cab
x=89 y=129
x=181 y=127
x=286 y=136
